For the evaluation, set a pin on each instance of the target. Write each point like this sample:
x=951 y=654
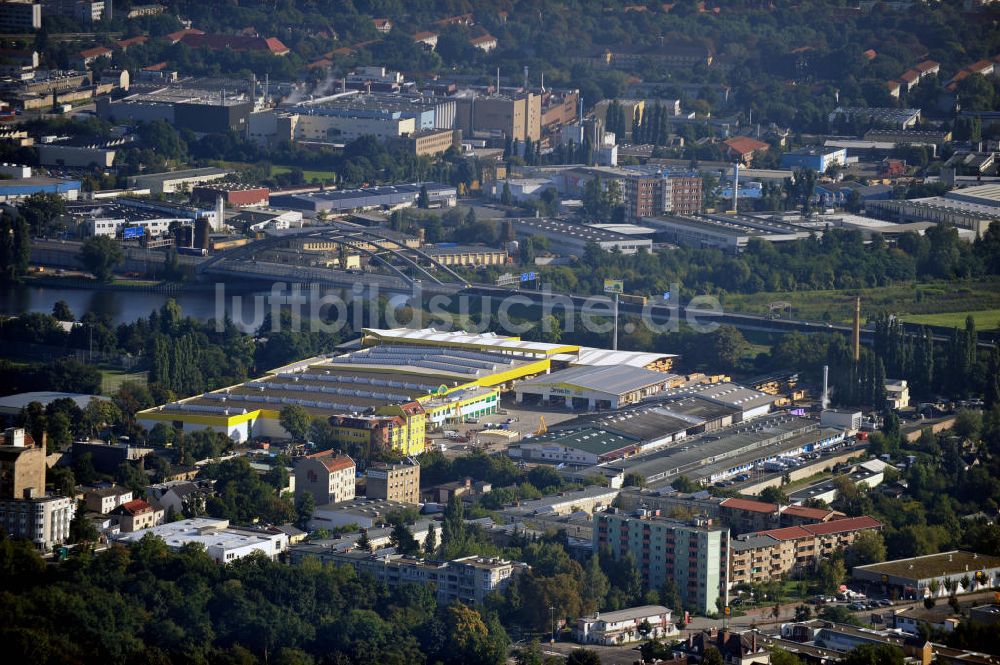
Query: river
x=125 y=306
x=119 y=306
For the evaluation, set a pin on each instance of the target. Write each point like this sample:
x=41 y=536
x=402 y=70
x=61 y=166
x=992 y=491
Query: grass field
x=111 y=379
x=911 y=302
x=309 y=175
x=988 y=319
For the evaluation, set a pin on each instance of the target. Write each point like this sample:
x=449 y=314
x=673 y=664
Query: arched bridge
x=407 y=264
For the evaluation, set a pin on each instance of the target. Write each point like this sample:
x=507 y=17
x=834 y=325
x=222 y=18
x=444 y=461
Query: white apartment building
x=44 y=520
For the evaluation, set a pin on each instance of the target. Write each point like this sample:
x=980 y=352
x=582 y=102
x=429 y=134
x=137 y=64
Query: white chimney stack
x=826 y=386
x=736 y=187
x=220 y=213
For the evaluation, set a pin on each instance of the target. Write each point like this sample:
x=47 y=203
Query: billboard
x=133 y=232
x=614 y=286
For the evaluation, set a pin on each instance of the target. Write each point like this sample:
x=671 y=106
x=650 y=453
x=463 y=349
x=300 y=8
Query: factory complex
x=395 y=386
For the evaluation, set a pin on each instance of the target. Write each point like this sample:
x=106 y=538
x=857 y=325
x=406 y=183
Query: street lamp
x=552 y=614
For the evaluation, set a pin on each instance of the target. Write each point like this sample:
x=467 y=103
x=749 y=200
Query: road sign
x=133 y=232
x=614 y=286
x=727 y=611
x=507 y=278
x=527 y=276
x=666 y=295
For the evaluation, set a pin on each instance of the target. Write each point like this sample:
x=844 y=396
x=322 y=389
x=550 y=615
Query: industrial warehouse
x=387 y=392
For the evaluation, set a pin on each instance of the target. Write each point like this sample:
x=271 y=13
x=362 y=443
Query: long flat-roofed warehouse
x=385 y=393
x=722 y=453
x=605 y=437
x=600 y=387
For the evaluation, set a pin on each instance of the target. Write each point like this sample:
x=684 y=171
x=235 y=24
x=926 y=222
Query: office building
x=814 y=158
x=171 y=182
x=20 y=16
x=327 y=476
x=394 y=482
x=694 y=554
x=222 y=543
x=15 y=189
x=430 y=142
x=646 y=191
x=386 y=196
x=573 y=239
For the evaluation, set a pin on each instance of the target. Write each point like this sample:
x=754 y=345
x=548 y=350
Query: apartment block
x=138 y=514
x=693 y=554
x=20 y=16
x=328 y=476
x=770 y=554
x=394 y=482
x=42 y=520
x=468 y=580
x=105 y=499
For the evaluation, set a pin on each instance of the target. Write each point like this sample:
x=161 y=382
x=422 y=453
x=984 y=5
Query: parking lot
x=524 y=421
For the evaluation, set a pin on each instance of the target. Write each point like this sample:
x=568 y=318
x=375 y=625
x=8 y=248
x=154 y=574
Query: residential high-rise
x=20 y=15
x=694 y=554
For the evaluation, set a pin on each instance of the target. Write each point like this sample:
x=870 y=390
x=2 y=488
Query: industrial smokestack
x=736 y=187
x=220 y=213
x=826 y=386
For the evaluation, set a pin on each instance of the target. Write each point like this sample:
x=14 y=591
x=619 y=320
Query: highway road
x=241 y=266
